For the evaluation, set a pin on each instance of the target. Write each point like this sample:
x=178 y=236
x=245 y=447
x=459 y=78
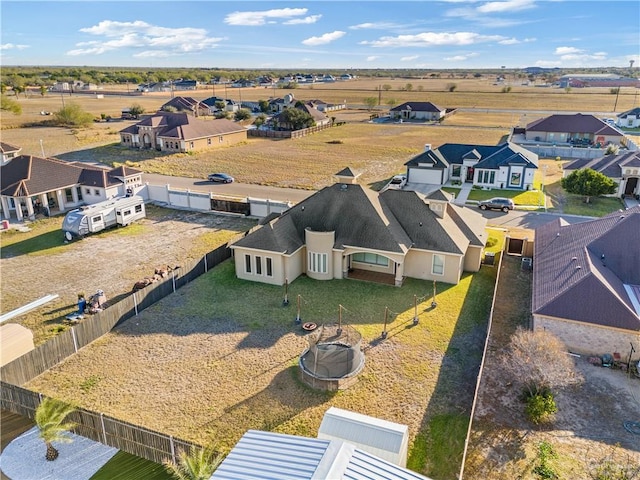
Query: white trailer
x=94 y=218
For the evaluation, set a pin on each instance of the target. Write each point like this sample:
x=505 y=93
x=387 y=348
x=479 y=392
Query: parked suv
x=398 y=182
x=498 y=203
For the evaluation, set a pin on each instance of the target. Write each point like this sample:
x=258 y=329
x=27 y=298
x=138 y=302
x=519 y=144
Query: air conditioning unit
x=527 y=263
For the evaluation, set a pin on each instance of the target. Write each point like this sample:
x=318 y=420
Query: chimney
x=427 y=147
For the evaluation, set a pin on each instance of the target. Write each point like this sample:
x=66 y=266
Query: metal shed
x=15 y=341
x=387 y=440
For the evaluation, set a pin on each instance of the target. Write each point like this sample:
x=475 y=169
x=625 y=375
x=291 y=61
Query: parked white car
x=398 y=182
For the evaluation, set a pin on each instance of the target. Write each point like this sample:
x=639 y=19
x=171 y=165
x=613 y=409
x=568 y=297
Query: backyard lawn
x=220 y=356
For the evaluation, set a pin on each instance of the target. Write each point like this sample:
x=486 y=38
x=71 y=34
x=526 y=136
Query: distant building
x=597 y=80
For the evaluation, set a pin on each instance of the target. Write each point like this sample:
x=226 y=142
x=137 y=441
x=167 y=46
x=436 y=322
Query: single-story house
x=586 y=283
x=33 y=185
x=418 y=111
x=320 y=118
x=188 y=104
x=154 y=87
x=279 y=456
x=9 y=152
x=180 y=132
x=349 y=231
x=629 y=119
x=574 y=129
x=492 y=166
x=623 y=169
x=185 y=84
x=326 y=107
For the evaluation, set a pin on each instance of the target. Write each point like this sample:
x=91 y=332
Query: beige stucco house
x=586 y=283
x=181 y=132
x=349 y=231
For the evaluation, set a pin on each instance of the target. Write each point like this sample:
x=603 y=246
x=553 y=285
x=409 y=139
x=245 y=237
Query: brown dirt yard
x=38 y=262
x=588 y=429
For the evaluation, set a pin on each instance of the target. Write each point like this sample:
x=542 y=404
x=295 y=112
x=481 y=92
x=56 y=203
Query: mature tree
x=538 y=362
x=386 y=87
x=260 y=120
x=72 y=115
x=136 y=110
x=10 y=105
x=298 y=118
x=169 y=108
x=50 y=420
x=19 y=89
x=43 y=90
x=408 y=87
x=451 y=87
x=588 y=183
x=391 y=102
x=370 y=102
x=242 y=114
x=264 y=105
x=198 y=464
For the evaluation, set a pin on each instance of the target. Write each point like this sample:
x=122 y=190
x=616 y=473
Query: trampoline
x=333 y=359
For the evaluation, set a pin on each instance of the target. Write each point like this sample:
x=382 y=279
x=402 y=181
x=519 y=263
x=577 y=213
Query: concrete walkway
x=463 y=195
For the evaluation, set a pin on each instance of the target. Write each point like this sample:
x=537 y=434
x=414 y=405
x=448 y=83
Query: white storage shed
x=387 y=440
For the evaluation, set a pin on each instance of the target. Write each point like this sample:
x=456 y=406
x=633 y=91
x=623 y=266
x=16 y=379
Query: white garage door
x=423 y=175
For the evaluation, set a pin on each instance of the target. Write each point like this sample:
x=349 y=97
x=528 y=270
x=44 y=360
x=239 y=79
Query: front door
x=470 y=171
x=631 y=185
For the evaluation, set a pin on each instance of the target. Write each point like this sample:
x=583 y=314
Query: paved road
x=513 y=219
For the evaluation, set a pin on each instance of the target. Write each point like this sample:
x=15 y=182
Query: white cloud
x=11 y=46
x=429 y=39
x=139 y=34
x=460 y=58
x=409 y=59
x=509 y=41
x=507 y=6
x=324 y=39
x=263 y=17
x=303 y=21
x=567 y=50
x=372 y=58
x=373 y=26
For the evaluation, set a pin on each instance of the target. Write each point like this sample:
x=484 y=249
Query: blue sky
x=321 y=34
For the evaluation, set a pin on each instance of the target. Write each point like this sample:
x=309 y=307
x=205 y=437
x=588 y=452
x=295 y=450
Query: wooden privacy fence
x=125 y=436
x=128 y=437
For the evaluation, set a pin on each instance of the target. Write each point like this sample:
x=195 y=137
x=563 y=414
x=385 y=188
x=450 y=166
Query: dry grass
x=220 y=356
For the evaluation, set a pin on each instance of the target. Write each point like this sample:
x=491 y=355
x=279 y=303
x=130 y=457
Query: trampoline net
x=333 y=352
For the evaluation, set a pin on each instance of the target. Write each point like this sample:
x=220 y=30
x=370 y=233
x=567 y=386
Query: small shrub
x=540 y=407
x=545 y=454
x=335 y=142
x=491 y=242
x=506 y=89
x=89 y=383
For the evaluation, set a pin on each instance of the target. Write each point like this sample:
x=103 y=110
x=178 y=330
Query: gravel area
x=24 y=458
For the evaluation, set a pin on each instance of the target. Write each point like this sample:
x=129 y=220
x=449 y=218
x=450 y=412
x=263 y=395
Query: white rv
x=94 y=218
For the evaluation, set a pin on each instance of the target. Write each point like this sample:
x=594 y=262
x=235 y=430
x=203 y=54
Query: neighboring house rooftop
x=277 y=456
x=590 y=271
x=417 y=107
x=577 y=123
x=184 y=126
x=634 y=112
x=609 y=165
x=186 y=103
x=8 y=148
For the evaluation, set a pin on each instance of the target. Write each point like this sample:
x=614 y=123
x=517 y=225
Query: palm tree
x=198 y=464
x=50 y=420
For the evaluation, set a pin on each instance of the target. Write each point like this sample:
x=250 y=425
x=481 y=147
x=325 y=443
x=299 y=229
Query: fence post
x=104 y=432
x=135 y=303
x=206 y=269
x=173 y=279
x=173 y=449
x=75 y=340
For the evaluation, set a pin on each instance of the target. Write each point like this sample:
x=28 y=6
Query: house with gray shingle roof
x=8 y=152
x=180 y=132
x=189 y=105
x=629 y=119
x=418 y=111
x=349 y=231
x=577 y=129
x=624 y=169
x=491 y=166
x=586 y=282
x=32 y=185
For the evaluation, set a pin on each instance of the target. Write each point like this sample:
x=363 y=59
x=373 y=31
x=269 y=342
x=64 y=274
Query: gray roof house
x=349 y=231
x=418 y=111
x=577 y=129
x=8 y=152
x=629 y=119
x=586 y=282
x=624 y=169
x=31 y=185
x=276 y=456
x=493 y=166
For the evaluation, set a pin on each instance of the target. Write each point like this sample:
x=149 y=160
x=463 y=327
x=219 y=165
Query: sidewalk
x=463 y=195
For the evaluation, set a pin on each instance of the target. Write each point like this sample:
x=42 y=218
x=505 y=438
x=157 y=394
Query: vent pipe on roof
x=578 y=267
x=573 y=259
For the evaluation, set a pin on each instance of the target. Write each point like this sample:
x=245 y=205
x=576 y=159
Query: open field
x=38 y=262
x=588 y=429
x=220 y=356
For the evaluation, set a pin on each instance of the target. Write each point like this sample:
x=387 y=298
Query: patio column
x=30 y=214
x=399 y=274
x=6 y=213
x=60 y=198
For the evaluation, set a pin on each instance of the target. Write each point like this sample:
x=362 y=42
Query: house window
x=247 y=263
x=87 y=191
x=317 y=262
x=96 y=192
x=456 y=170
x=438 y=265
x=191 y=144
x=68 y=195
x=486 y=176
x=515 y=178
x=258 y=265
x=208 y=141
x=371 y=259
x=269 y=267
x=220 y=139
x=79 y=192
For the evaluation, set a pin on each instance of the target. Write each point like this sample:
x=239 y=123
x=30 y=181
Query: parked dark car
x=220 y=178
x=497 y=203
